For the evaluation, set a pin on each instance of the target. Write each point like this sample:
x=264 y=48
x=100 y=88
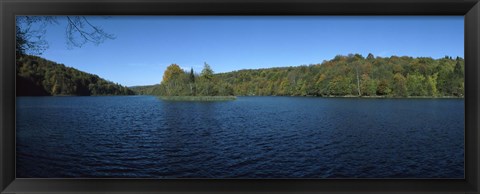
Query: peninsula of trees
x=351 y=75
x=40 y=77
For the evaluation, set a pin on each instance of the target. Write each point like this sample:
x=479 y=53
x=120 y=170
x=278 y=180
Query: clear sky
x=145 y=46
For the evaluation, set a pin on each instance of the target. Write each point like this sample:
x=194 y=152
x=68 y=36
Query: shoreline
x=371 y=97
x=397 y=97
x=212 y=98
x=197 y=98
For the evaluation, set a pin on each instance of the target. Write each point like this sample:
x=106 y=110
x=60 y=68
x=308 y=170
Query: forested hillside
x=351 y=75
x=40 y=77
x=145 y=90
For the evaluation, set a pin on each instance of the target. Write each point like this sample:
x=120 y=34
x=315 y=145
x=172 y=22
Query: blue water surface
x=251 y=137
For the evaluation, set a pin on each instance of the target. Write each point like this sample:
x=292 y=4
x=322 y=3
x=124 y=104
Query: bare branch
x=78 y=32
x=81 y=27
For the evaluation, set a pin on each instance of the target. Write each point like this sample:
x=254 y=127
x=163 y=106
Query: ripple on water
x=252 y=137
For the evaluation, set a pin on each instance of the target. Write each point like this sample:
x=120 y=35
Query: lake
x=251 y=137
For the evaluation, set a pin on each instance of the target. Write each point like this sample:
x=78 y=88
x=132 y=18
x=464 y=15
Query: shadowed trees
x=40 y=77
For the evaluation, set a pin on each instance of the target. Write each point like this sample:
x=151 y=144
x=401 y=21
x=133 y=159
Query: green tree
x=458 y=70
x=415 y=85
x=400 y=85
x=207 y=72
x=206 y=84
x=445 y=78
x=191 y=83
x=432 y=85
x=340 y=86
x=384 y=88
x=368 y=86
x=370 y=56
x=458 y=85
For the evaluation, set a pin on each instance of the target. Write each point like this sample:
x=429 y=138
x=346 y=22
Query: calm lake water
x=251 y=137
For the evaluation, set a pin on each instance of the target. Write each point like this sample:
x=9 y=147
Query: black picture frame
x=470 y=9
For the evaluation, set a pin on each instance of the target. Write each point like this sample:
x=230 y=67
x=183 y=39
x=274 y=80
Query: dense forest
x=351 y=75
x=40 y=77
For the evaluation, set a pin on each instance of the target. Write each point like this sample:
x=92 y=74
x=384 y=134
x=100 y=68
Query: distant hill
x=145 y=90
x=37 y=76
x=344 y=75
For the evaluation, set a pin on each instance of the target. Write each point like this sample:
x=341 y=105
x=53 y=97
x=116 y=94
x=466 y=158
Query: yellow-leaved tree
x=173 y=80
x=172 y=72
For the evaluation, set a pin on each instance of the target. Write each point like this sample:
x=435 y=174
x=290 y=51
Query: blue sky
x=145 y=46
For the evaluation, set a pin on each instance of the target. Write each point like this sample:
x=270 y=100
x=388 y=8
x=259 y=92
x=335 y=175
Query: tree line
x=350 y=75
x=40 y=77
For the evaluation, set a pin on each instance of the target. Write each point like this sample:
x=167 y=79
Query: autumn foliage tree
x=174 y=79
x=350 y=75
